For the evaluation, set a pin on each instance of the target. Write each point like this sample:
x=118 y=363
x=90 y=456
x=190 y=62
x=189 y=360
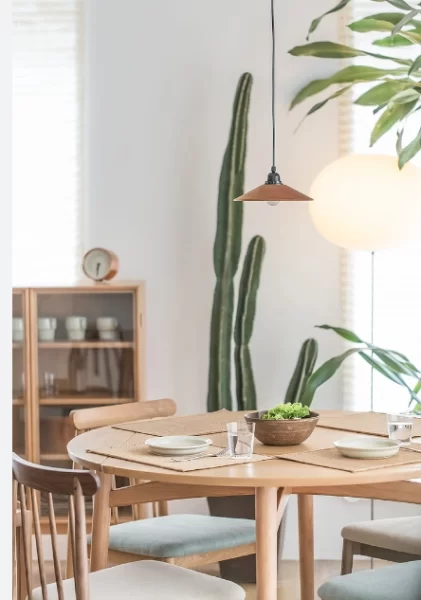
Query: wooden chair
x=183 y=540
x=396 y=540
x=388 y=583
x=142 y=580
x=103 y=416
x=19 y=591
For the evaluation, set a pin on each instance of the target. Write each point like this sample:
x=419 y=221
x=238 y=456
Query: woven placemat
x=141 y=454
x=371 y=423
x=190 y=425
x=331 y=458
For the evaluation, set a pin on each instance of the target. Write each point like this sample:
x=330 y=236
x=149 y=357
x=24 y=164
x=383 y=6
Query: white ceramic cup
x=76 y=323
x=106 y=323
x=47 y=323
x=108 y=335
x=17 y=329
x=47 y=329
x=76 y=335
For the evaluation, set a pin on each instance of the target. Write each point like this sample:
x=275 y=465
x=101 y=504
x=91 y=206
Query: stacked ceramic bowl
x=76 y=328
x=107 y=328
x=47 y=329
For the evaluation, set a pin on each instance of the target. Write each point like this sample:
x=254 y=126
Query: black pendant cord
x=272 y=12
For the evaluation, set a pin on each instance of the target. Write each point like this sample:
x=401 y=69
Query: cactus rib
x=246 y=310
x=303 y=369
x=227 y=250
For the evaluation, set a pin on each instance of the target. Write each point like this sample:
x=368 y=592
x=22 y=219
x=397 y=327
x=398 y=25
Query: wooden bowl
x=282 y=432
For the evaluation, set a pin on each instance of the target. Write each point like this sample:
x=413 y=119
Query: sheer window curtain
x=47 y=140
x=397 y=284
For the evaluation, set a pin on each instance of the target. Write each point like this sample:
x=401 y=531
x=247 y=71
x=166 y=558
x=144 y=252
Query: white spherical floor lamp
x=364 y=202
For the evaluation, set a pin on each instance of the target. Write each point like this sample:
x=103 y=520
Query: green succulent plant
x=393 y=365
x=396 y=92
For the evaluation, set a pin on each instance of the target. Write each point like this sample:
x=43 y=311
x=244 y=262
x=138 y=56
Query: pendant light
x=273 y=190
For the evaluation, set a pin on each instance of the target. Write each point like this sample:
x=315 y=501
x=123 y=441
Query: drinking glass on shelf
x=50 y=386
x=240 y=439
x=399 y=426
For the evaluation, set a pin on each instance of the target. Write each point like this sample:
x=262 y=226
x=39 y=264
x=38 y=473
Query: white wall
x=161 y=77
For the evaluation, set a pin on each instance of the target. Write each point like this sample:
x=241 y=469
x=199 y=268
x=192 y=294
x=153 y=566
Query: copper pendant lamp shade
x=273 y=190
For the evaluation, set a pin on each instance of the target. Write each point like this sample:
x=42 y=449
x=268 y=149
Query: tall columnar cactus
x=227 y=250
x=246 y=310
x=303 y=369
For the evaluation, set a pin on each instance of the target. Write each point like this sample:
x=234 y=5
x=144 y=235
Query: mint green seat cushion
x=181 y=535
x=399 y=582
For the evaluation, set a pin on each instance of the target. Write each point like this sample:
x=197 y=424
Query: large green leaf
x=333 y=50
x=382 y=93
x=412 y=36
x=406 y=19
x=384 y=370
x=351 y=74
x=392 y=115
x=409 y=151
x=347 y=334
x=370 y=24
x=315 y=23
x=323 y=374
x=320 y=105
x=416 y=65
x=398 y=3
x=392 y=41
x=405 y=96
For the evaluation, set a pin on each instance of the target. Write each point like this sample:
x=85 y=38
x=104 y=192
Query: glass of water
x=240 y=439
x=399 y=426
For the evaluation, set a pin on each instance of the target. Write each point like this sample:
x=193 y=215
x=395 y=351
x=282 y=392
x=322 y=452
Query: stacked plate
x=178 y=445
x=367 y=447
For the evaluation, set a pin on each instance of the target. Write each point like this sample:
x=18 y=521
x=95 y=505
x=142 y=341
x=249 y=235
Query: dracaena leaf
x=347 y=334
x=333 y=50
x=409 y=151
x=315 y=23
x=370 y=24
x=412 y=36
x=406 y=19
x=405 y=96
x=320 y=105
x=398 y=4
x=351 y=74
x=323 y=374
x=382 y=92
x=384 y=370
x=415 y=65
x=393 y=41
x=392 y=115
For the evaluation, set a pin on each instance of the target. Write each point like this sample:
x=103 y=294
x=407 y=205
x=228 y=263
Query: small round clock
x=100 y=264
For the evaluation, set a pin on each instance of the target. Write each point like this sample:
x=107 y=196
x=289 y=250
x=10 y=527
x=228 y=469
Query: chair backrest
x=32 y=480
x=101 y=416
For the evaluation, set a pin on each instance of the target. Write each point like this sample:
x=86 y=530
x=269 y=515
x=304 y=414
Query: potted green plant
x=395 y=95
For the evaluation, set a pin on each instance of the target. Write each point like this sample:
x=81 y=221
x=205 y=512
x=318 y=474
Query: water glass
x=399 y=427
x=50 y=387
x=240 y=439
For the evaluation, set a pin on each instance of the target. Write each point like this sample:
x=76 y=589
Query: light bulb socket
x=273 y=178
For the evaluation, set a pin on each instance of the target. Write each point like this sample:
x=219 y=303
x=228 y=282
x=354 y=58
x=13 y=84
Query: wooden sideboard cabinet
x=58 y=365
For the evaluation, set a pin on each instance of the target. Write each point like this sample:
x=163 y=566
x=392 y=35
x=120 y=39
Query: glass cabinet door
x=85 y=357
x=20 y=364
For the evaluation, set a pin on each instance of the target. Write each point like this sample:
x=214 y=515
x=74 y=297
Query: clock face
x=100 y=264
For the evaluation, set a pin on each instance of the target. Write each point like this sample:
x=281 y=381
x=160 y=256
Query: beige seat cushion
x=402 y=534
x=146 y=580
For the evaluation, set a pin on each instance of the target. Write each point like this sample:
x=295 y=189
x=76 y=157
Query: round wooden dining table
x=271 y=481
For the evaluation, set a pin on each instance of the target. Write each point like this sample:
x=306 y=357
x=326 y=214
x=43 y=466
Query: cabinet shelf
x=18 y=402
x=66 y=345
x=81 y=400
x=54 y=456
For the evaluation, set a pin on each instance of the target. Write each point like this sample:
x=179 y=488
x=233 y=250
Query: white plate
x=367 y=447
x=178 y=445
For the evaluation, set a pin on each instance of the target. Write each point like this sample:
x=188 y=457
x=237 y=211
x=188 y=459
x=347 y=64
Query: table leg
x=101 y=524
x=266 y=543
x=306 y=538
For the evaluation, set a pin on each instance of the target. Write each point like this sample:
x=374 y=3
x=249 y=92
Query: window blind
x=393 y=273
x=47 y=149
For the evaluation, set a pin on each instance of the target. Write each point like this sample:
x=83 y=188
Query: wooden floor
x=289 y=579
